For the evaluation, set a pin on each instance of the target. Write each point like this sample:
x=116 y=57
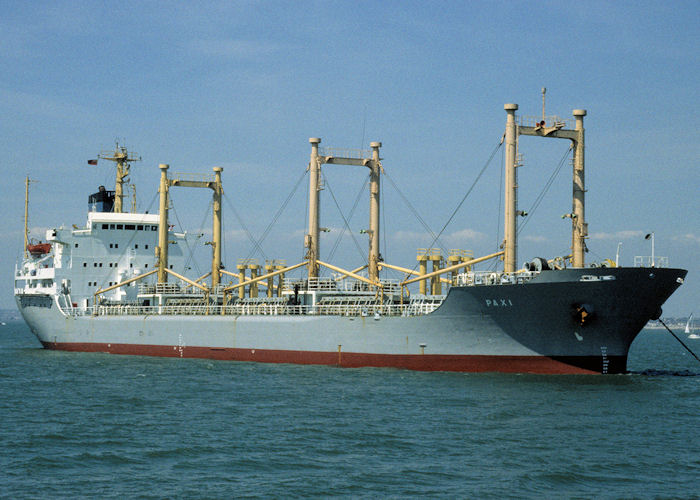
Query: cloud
x=235 y=234
x=465 y=235
x=619 y=235
x=687 y=238
x=535 y=238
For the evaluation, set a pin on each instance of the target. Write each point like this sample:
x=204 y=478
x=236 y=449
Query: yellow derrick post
x=511 y=198
x=244 y=283
x=406 y=270
x=422 y=269
x=162 y=249
x=270 y=280
x=216 y=227
x=241 y=279
x=435 y=286
x=253 y=274
x=375 y=168
x=312 y=242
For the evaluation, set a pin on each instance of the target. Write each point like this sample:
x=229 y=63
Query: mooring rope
x=679 y=340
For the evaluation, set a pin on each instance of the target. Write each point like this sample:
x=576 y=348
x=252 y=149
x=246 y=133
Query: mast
x=26 y=217
x=579 y=229
x=190 y=181
x=312 y=236
x=359 y=158
x=547 y=127
x=122 y=158
x=216 y=229
x=510 y=234
x=374 y=166
x=162 y=251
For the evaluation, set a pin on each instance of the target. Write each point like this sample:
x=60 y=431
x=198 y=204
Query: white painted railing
x=373 y=311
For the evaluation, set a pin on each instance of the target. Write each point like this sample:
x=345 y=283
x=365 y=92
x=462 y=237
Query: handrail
x=186 y=280
x=410 y=271
x=452 y=268
x=264 y=276
x=130 y=280
x=349 y=273
x=376 y=310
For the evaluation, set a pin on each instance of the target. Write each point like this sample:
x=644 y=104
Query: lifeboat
x=39 y=248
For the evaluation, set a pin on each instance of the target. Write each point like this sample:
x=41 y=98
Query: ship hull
x=524 y=328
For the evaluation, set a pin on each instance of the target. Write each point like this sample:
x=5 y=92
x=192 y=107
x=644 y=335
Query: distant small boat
x=688 y=328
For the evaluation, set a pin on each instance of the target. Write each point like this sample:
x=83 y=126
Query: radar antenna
x=122 y=158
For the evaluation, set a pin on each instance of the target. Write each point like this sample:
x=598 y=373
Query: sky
x=244 y=85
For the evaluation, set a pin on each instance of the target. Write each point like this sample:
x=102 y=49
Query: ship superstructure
x=118 y=285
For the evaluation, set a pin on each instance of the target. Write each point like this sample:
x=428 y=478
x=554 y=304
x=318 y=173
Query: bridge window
x=140 y=227
x=130 y=227
x=105 y=226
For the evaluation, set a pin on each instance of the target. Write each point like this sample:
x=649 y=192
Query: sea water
x=76 y=425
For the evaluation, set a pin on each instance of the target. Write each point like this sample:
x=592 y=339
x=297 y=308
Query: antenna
x=544 y=91
x=27 y=181
x=122 y=158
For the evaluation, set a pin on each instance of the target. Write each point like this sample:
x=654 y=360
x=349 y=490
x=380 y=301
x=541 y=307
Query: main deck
x=313 y=297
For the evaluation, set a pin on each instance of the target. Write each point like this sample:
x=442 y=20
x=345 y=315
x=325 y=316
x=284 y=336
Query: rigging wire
x=546 y=187
x=381 y=187
x=454 y=213
x=306 y=216
x=201 y=232
x=345 y=221
x=190 y=257
x=411 y=208
x=500 y=197
x=364 y=123
x=539 y=198
x=279 y=211
x=256 y=245
x=224 y=249
x=352 y=211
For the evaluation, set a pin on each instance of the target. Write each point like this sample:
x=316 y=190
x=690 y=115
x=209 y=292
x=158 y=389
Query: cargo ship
x=118 y=285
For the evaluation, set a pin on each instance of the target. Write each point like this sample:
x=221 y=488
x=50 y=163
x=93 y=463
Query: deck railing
x=374 y=311
x=476 y=278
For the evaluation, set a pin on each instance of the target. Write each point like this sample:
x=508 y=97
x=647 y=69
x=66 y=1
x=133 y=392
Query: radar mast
x=122 y=158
